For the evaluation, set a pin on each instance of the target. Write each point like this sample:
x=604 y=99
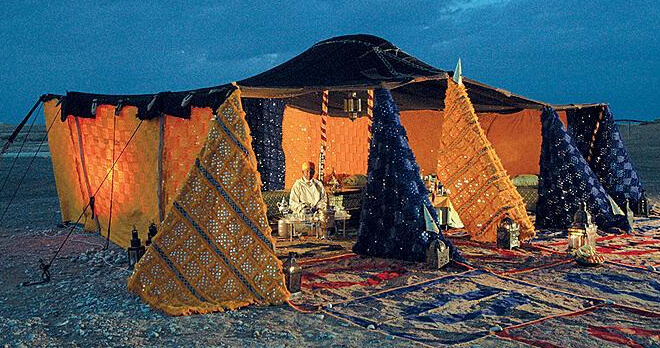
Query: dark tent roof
x=351 y=63
x=345 y=62
x=361 y=62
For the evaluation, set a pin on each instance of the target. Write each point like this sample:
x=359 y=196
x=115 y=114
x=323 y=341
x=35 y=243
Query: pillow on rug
x=526 y=180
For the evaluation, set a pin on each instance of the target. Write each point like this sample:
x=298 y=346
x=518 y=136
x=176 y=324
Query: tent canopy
x=356 y=63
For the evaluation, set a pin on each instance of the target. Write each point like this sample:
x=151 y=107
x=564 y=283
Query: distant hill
x=643 y=144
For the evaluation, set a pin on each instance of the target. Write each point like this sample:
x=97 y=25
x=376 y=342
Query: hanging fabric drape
x=566 y=180
x=598 y=138
x=480 y=188
x=392 y=220
x=264 y=116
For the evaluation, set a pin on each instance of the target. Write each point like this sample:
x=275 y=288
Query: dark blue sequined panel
x=264 y=116
x=392 y=221
x=607 y=156
x=566 y=179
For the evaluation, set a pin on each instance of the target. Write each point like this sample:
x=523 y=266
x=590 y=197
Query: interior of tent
x=210 y=165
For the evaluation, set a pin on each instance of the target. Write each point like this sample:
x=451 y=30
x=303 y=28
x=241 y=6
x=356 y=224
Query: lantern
x=582 y=231
x=437 y=254
x=292 y=273
x=643 y=205
x=153 y=230
x=353 y=105
x=508 y=234
x=136 y=250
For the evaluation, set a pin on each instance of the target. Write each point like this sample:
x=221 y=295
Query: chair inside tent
x=199 y=163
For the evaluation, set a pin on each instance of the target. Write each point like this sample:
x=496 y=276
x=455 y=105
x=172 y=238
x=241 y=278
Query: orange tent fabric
x=480 y=188
x=82 y=150
x=516 y=138
x=422 y=127
x=348 y=143
x=214 y=250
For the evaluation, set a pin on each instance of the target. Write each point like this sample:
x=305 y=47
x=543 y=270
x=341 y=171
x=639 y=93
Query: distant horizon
x=558 y=52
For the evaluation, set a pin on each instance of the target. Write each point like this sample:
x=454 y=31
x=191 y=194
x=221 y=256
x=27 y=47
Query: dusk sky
x=555 y=51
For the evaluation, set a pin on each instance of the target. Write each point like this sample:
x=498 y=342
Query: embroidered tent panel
x=480 y=188
x=214 y=250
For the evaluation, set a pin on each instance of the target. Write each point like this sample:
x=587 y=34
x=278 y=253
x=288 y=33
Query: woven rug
x=457 y=308
x=641 y=248
x=599 y=326
x=622 y=284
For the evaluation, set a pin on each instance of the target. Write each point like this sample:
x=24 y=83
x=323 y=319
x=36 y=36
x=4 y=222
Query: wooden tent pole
x=324 y=138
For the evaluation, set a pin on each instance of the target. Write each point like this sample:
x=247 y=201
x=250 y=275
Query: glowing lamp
x=292 y=273
x=352 y=105
x=643 y=205
x=437 y=254
x=136 y=250
x=582 y=231
x=508 y=234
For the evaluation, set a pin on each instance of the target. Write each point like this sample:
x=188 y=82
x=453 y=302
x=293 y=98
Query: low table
x=314 y=223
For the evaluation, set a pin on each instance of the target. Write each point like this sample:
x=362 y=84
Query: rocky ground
x=86 y=302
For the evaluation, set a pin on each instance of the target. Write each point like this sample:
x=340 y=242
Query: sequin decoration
x=566 y=180
x=597 y=137
x=214 y=252
x=392 y=222
x=264 y=116
x=480 y=188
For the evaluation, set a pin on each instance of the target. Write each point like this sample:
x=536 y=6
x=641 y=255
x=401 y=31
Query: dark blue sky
x=555 y=51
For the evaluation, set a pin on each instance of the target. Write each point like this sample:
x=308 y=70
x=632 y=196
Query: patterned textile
x=457 y=308
x=214 y=250
x=135 y=173
x=65 y=157
x=641 y=248
x=566 y=180
x=264 y=116
x=624 y=285
x=603 y=326
x=606 y=154
x=480 y=188
x=501 y=261
x=182 y=141
x=392 y=221
x=347 y=277
x=613 y=165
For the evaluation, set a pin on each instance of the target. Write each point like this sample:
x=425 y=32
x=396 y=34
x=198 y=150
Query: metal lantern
x=582 y=231
x=508 y=234
x=136 y=250
x=353 y=105
x=643 y=205
x=292 y=273
x=153 y=230
x=437 y=254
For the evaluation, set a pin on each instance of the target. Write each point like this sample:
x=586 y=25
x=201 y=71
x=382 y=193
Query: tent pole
x=324 y=139
x=20 y=126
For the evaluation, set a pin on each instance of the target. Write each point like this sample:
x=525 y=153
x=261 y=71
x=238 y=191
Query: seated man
x=307 y=194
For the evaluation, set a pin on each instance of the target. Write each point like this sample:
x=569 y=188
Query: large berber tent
x=197 y=163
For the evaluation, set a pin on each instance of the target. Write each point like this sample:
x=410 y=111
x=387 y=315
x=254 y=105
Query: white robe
x=307 y=194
